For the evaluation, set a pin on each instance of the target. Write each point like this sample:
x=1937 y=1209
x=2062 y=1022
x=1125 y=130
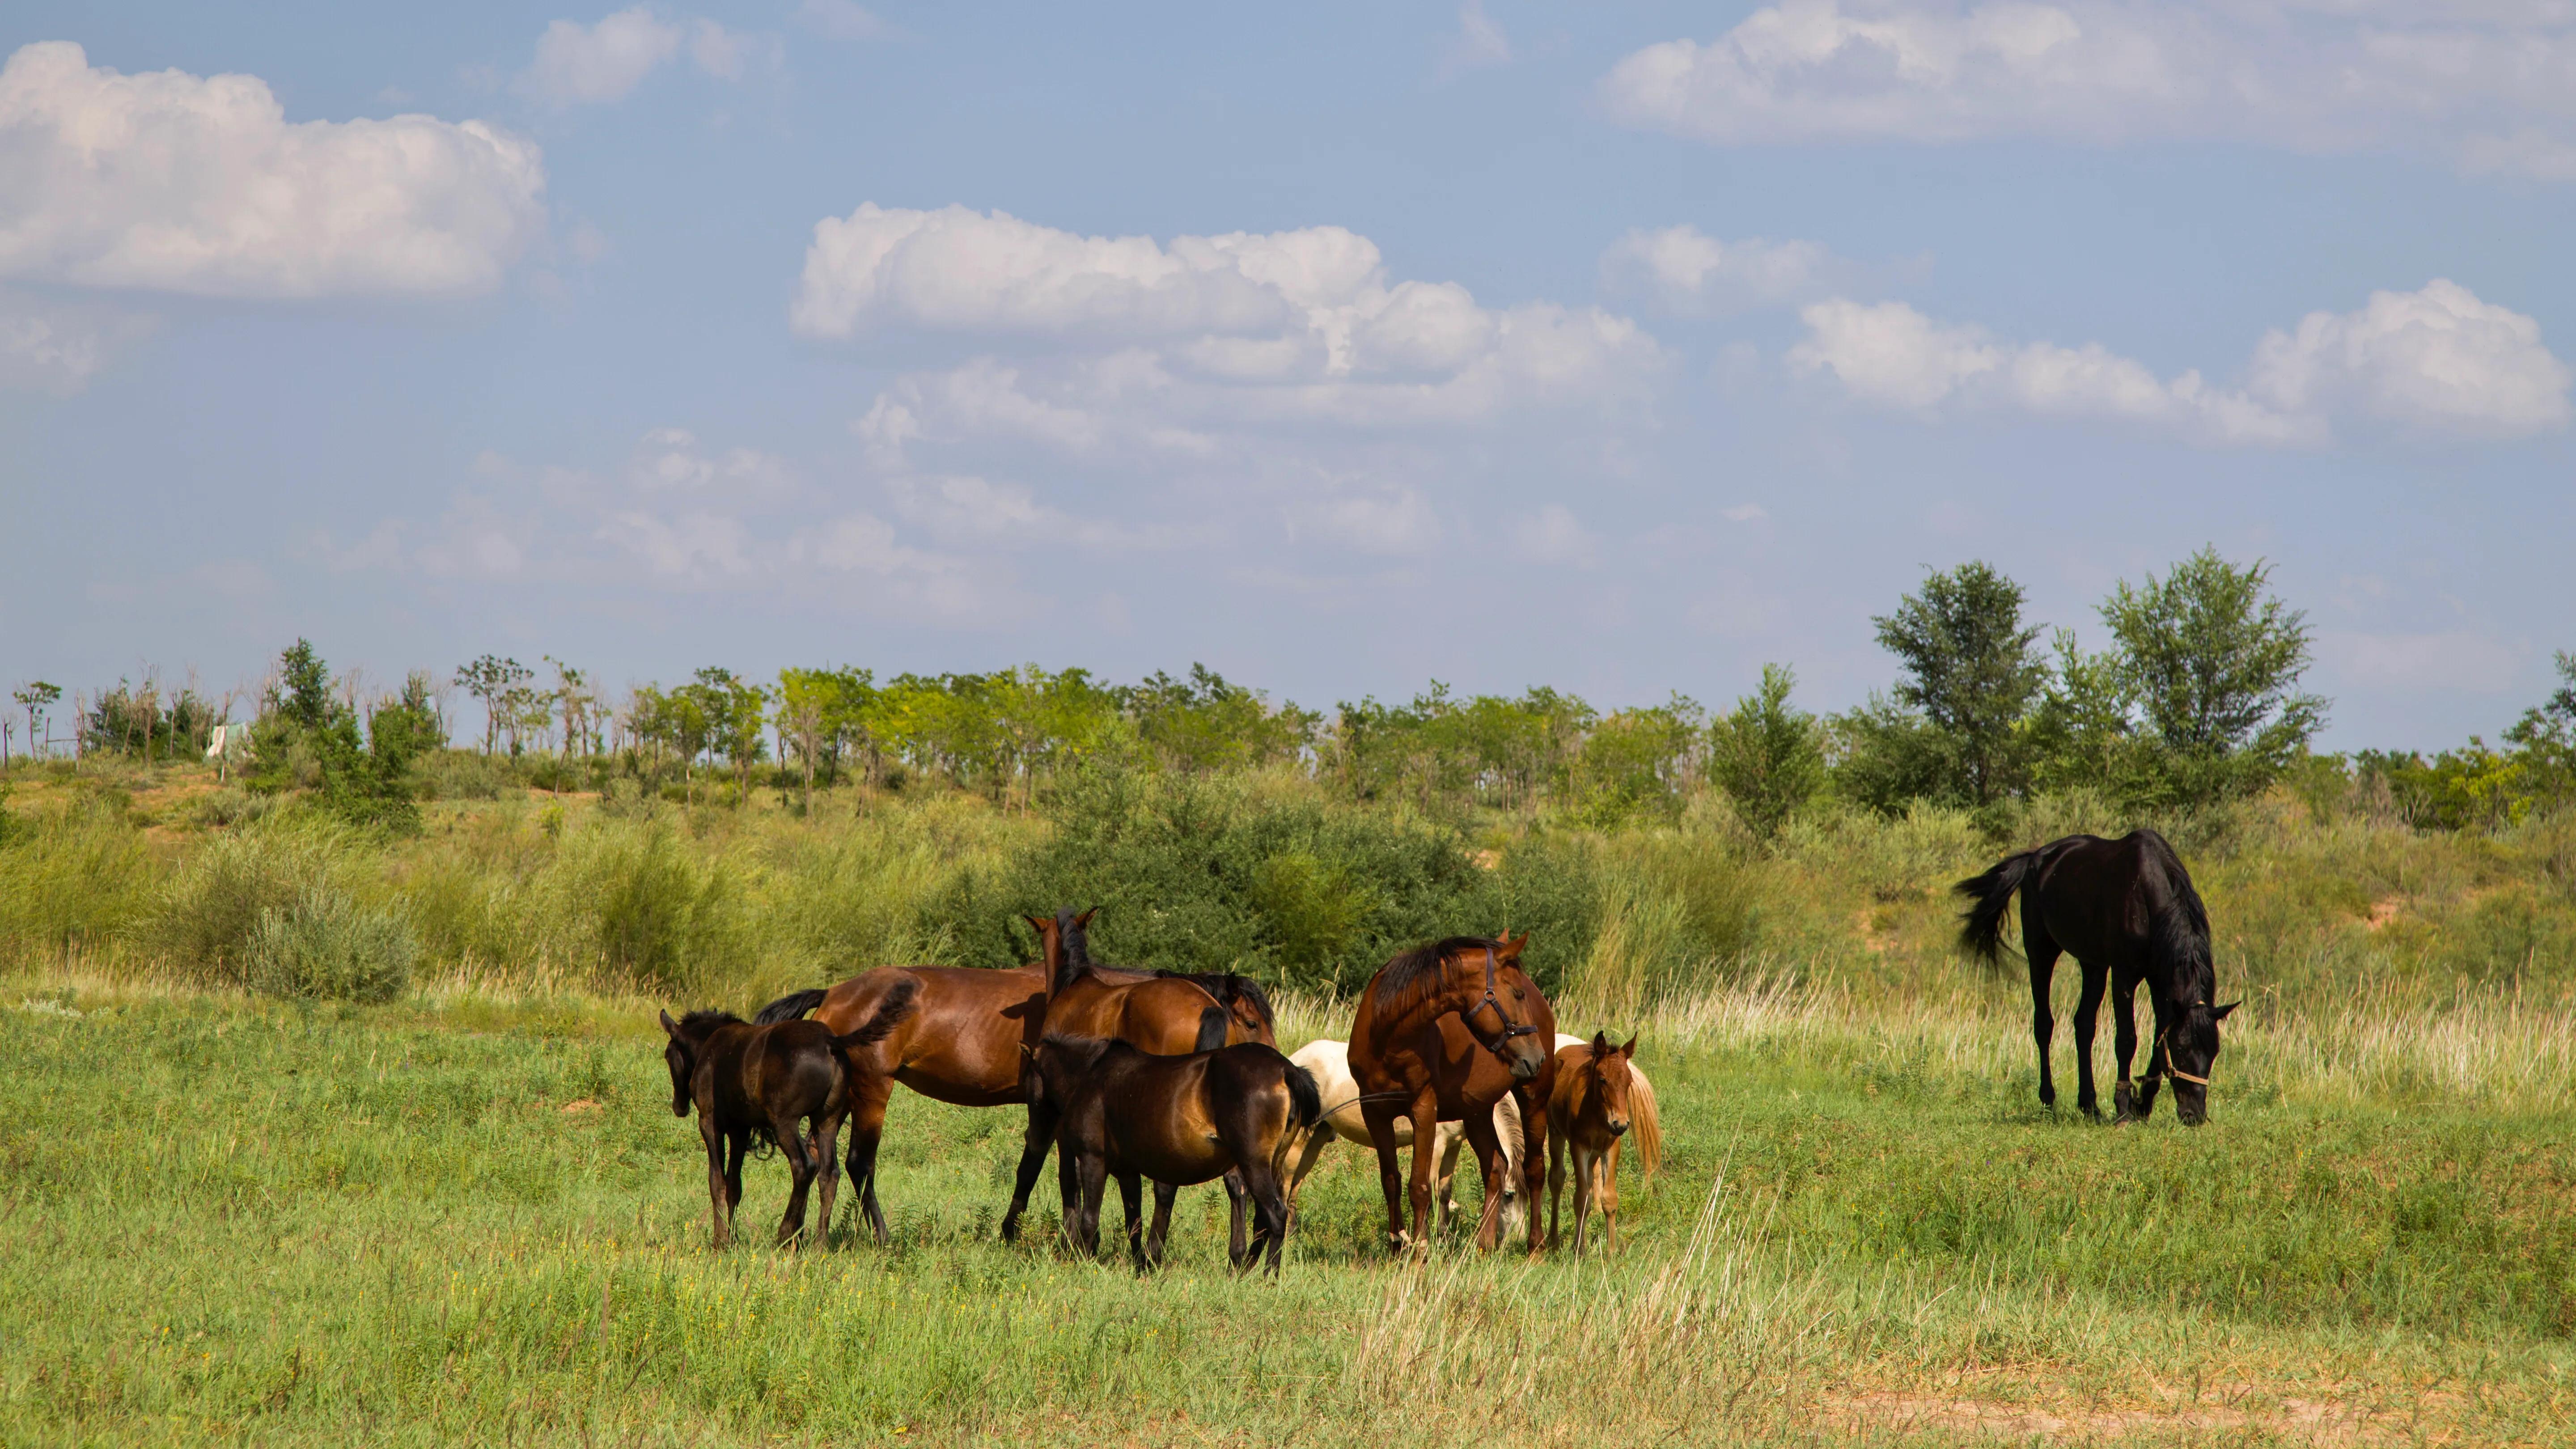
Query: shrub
x=71 y=879
x=645 y=908
x=324 y=946
x=466 y=775
x=210 y=909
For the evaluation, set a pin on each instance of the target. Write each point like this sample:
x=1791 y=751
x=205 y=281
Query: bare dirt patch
x=2304 y=1420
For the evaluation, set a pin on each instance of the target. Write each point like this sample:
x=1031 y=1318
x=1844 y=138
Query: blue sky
x=1617 y=347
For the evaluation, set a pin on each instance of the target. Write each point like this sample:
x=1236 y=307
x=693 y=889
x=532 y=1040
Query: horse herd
x=1178 y=1078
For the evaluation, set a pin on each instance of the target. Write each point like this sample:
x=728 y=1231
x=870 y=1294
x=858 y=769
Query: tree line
x=2193 y=698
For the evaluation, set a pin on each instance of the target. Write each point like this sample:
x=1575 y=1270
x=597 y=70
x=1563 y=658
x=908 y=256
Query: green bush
x=645 y=907
x=208 y=912
x=466 y=775
x=70 y=879
x=324 y=946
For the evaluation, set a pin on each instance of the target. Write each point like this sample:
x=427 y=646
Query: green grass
x=224 y=1218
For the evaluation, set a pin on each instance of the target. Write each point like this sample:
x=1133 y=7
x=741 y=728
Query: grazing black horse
x=2127 y=911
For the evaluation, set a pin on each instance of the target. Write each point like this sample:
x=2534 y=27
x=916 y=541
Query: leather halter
x=1490 y=999
x=2164 y=1054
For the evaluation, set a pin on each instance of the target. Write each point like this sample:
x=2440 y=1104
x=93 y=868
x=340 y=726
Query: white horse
x=1330 y=1062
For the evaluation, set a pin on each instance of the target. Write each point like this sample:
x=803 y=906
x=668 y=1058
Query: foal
x=1129 y=1114
x=751 y=1081
x=1595 y=1102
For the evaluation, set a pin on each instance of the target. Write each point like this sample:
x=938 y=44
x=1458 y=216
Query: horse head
x=1498 y=1011
x=680 y=1055
x=1613 y=1084
x=2190 y=1048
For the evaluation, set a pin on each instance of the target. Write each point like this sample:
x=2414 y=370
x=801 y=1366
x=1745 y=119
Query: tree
x=1969 y=674
x=811 y=709
x=2543 y=740
x=35 y=698
x=2211 y=667
x=1766 y=756
x=489 y=679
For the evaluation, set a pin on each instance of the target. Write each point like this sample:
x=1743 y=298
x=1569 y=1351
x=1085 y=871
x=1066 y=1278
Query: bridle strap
x=1490 y=999
x=2164 y=1053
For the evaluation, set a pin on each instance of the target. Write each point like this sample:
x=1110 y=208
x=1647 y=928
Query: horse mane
x=2177 y=925
x=700 y=1023
x=1229 y=988
x=1414 y=977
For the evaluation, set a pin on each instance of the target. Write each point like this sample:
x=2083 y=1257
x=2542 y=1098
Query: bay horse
x=1330 y=1063
x=967 y=1043
x=757 y=1082
x=2126 y=910
x=1444 y=1032
x=1595 y=1102
x=1177 y=1119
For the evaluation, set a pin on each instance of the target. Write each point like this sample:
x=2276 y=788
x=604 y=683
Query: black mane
x=2177 y=925
x=1403 y=982
x=1228 y=988
x=699 y=1023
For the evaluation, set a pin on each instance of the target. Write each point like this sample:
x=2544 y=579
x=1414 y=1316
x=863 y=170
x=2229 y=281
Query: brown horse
x=968 y=1043
x=1233 y=1111
x=1443 y=1033
x=748 y=1081
x=1596 y=1100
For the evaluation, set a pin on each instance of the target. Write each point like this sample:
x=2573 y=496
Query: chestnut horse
x=967 y=1042
x=1443 y=1033
x=1232 y=1111
x=1598 y=1097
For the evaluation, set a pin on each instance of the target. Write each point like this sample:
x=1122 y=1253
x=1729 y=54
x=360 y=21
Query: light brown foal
x=1595 y=1103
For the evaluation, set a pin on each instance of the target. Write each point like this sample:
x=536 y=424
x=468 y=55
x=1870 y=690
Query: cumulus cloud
x=1687 y=270
x=1477 y=42
x=2438 y=360
x=181 y=183
x=52 y=347
x=605 y=61
x=2494 y=86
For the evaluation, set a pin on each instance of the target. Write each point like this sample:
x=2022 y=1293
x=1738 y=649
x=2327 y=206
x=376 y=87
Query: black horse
x=2127 y=911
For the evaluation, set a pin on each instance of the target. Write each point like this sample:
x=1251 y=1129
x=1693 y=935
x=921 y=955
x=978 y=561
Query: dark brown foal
x=1131 y=1115
x=759 y=1082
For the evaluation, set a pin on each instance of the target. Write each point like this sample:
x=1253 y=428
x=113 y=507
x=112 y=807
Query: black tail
x=889 y=1014
x=1981 y=930
x=790 y=1007
x=1305 y=1102
x=1212 y=1029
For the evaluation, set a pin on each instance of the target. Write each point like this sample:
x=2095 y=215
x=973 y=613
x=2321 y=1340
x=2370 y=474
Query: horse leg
x=1161 y=1235
x=1489 y=1161
x=1270 y=1213
x=1444 y=1186
x=1316 y=1142
x=1610 y=1197
x=1583 y=1159
x=800 y=1169
x=1507 y=1126
x=1238 y=1199
x=868 y=1098
x=1533 y=1141
x=1390 y=1176
x=827 y=1137
x=1131 y=1196
x=1033 y=1151
x=2087 y=1010
x=1088 y=1181
x=717 y=1206
x=2124 y=1040
x=737 y=1147
x=2146 y=1096
x=2041 y=953
x=1426 y=1127
x=1555 y=1185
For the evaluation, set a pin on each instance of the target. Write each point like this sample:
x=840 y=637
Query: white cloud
x=179 y=183
x=1689 y=271
x=2436 y=360
x=50 y=347
x=1746 y=513
x=1554 y=536
x=2493 y=86
x=1479 y=41
x=841 y=20
x=593 y=64
x=1391 y=521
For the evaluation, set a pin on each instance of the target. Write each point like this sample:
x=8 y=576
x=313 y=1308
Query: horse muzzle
x=1618 y=1126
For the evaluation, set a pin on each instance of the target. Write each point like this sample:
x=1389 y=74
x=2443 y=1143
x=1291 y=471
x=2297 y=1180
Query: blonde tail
x=1642 y=1122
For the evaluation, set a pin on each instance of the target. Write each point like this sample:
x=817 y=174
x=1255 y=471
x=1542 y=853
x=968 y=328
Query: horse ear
x=1085 y=918
x=1039 y=924
x=1511 y=949
x=1630 y=1050
x=1600 y=1045
x=669 y=1026
x=2219 y=1013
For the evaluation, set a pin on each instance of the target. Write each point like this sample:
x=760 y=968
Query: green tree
x=35 y=698
x=1768 y=757
x=490 y=680
x=2543 y=740
x=1969 y=676
x=2210 y=666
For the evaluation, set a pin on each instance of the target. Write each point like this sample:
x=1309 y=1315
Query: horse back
x=961 y=1042
x=2111 y=901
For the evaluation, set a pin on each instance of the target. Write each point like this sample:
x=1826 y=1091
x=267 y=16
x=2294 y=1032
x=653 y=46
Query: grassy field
x=465 y=1215
x=469 y=1217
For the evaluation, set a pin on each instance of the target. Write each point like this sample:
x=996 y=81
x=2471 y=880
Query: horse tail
x=790 y=1007
x=889 y=1014
x=1981 y=929
x=1212 y=1024
x=1305 y=1116
x=1643 y=1121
